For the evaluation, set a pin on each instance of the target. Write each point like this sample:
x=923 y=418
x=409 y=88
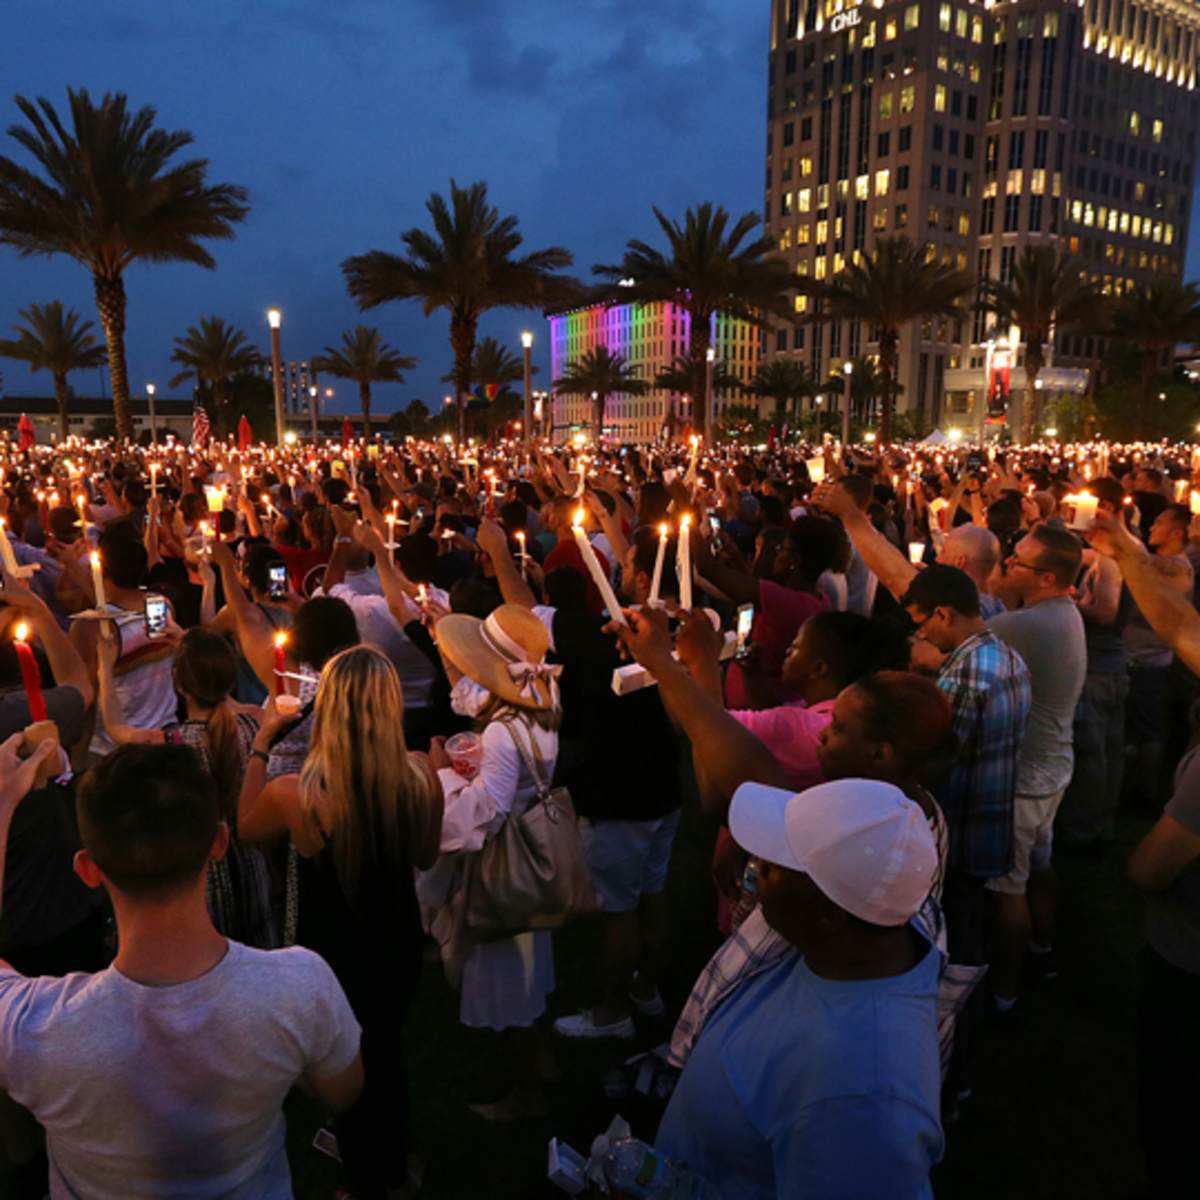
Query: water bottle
x=637 y=1169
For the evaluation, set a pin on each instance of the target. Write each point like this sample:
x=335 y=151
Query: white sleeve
x=333 y=1032
x=477 y=811
x=545 y=614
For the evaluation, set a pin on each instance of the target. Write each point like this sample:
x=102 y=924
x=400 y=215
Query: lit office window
x=882 y=182
x=939 y=98
x=912 y=16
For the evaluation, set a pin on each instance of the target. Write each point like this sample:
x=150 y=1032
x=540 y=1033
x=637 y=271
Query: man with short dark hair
x=165 y=1075
x=1044 y=626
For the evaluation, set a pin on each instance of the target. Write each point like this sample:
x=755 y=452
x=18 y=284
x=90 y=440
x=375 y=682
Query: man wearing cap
x=820 y=1073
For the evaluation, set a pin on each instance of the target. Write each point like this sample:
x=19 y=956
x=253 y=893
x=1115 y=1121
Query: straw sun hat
x=505 y=653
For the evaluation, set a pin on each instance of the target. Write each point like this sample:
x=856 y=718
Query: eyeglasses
x=921 y=625
x=1014 y=561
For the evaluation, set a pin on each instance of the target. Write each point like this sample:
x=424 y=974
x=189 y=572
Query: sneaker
x=583 y=1025
x=653 y=1007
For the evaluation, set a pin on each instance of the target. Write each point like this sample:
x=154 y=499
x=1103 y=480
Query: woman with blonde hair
x=362 y=813
x=501 y=679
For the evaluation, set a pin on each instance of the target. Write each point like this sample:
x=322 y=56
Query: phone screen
x=714 y=523
x=156 y=615
x=277 y=585
x=745 y=622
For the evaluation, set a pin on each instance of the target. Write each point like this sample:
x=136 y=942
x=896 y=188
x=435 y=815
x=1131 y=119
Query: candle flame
x=94 y=558
x=21 y=633
x=577 y=521
x=663 y=530
x=685 y=522
x=280 y=639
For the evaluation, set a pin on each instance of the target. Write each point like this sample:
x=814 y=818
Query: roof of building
x=90 y=406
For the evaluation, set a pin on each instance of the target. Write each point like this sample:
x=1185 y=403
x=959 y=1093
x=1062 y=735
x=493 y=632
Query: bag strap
x=302 y=716
x=533 y=761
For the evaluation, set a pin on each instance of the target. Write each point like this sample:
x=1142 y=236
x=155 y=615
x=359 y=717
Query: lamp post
x=818 y=400
x=527 y=423
x=710 y=357
x=275 y=320
x=847 y=371
x=312 y=410
x=150 y=390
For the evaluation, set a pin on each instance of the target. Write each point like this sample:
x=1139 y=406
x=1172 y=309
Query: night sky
x=342 y=117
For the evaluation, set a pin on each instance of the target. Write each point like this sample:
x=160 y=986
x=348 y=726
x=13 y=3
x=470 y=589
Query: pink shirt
x=780 y=614
x=792 y=733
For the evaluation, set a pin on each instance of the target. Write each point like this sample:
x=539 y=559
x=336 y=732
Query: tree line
x=104 y=185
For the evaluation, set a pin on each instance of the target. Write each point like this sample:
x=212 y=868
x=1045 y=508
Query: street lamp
x=847 y=371
x=150 y=390
x=527 y=407
x=312 y=410
x=275 y=320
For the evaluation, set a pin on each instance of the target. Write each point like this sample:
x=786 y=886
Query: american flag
x=200 y=426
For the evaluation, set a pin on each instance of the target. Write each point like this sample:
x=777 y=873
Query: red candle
x=280 y=662
x=30 y=675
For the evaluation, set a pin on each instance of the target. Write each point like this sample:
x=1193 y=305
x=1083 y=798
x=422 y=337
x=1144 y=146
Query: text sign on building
x=844 y=20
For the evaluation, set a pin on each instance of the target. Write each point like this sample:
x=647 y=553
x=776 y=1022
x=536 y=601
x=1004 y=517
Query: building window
x=882 y=179
x=939 y=98
x=1008 y=260
x=912 y=16
x=951 y=180
x=964 y=224
x=901 y=216
x=908 y=98
x=902 y=179
x=944 y=11
x=905 y=139
x=889 y=29
x=934 y=217
x=1012 y=213
x=935 y=177
x=987 y=215
x=885 y=105
x=804 y=200
x=883 y=143
x=1035 y=214
x=789 y=133
x=956 y=103
x=880 y=220
x=1016 y=149
x=805 y=161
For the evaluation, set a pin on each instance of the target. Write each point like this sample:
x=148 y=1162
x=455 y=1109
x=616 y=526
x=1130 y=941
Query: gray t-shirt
x=1049 y=637
x=155 y=1092
x=1173 y=916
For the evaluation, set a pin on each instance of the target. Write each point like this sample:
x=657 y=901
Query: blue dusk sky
x=341 y=118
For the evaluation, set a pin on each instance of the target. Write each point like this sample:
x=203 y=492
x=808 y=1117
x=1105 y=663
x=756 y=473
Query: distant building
x=171 y=416
x=978 y=128
x=650 y=336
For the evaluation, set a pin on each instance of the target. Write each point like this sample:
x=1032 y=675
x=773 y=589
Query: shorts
x=628 y=859
x=1033 y=840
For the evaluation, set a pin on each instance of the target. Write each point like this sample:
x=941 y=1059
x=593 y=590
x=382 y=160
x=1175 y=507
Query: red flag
x=26 y=436
x=491 y=391
x=347 y=430
x=245 y=433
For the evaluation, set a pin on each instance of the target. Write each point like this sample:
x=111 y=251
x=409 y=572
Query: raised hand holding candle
x=1085 y=510
x=599 y=578
x=30 y=675
x=391 y=524
x=664 y=533
x=684 y=562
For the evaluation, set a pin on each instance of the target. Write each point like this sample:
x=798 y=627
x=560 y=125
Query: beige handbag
x=533 y=874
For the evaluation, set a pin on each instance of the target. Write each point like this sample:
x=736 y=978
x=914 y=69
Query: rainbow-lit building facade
x=977 y=127
x=650 y=336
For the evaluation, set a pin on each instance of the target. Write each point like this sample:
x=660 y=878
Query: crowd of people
x=299 y=721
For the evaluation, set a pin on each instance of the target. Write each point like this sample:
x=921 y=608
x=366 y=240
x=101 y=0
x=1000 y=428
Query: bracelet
x=260 y=754
x=342 y=540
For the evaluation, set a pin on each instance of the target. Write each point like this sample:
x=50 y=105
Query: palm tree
x=708 y=268
x=1048 y=293
x=467 y=266
x=108 y=195
x=366 y=358
x=216 y=353
x=679 y=376
x=783 y=380
x=55 y=341
x=599 y=373
x=896 y=283
x=866 y=386
x=1152 y=320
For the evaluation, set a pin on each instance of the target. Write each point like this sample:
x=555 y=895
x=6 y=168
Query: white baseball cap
x=864 y=843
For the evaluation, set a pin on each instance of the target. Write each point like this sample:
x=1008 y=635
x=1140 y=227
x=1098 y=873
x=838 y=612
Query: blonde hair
x=379 y=806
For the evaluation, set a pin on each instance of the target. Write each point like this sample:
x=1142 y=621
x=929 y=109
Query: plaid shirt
x=988 y=683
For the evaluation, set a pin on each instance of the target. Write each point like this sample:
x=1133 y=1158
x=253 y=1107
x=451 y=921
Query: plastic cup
x=465 y=751
x=287 y=705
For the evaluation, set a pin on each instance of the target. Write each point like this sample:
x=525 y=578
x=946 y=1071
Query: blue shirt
x=805 y=1088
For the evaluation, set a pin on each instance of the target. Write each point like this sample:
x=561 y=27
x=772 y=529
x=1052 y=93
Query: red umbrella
x=245 y=433
x=347 y=430
x=26 y=437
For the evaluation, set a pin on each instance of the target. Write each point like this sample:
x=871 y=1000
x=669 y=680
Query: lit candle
x=30 y=675
x=664 y=533
x=422 y=595
x=1194 y=503
x=816 y=469
x=523 y=556
x=154 y=479
x=6 y=551
x=916 y=552
x=691 y=471
x=280 y=661
x=1085 y=505
x=1181 y=490
x=599 y=578
x=216 y=499
x=684 y=562
x=98 y=580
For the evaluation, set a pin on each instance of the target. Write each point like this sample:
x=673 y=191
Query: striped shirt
x=989 y=686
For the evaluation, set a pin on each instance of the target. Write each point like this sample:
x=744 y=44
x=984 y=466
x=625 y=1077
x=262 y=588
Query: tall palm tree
x=366 y=358
x=679 y=377
x=55 y=341
x=709 y=267
x=1048 y=293
x=493 y=365
x=467 y=265
x=599 y=373
x=1152 y=320
x=108 y=195
x=216 y=353
x=784 y=380
x=893 y=285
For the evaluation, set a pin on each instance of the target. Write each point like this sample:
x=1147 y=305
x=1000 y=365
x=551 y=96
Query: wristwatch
x=257 y=753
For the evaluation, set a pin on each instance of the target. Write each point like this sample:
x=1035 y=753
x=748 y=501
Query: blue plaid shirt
x=988 y=684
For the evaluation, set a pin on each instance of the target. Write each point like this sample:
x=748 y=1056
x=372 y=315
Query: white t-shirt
x=149 y=1092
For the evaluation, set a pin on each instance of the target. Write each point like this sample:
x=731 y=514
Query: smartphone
x=714 y=523
x=277 y=581
x=745 y=622
x=157 y=615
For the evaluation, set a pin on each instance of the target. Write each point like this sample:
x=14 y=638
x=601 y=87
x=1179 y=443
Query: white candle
x=1194 y=503
x=916 y=552
x=216 y=499
x=599 y=578
x=98 y=581
x=6 y=550
x=685 y=562
x=391 y=524
x=523 y=556
x=816 y=469
x=1085 y=509
x=656 y=582
x=691 y=471
x=154 y=479
x=1181 y=490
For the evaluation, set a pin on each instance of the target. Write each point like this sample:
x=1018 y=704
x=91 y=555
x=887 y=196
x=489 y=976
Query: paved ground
x=1054 y=1115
